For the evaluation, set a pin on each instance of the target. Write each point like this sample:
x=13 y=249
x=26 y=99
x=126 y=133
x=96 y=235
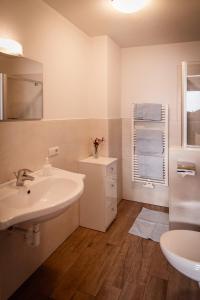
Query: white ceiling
x=162 y=21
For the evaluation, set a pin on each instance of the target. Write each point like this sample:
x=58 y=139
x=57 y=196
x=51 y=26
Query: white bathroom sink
x=39 y=200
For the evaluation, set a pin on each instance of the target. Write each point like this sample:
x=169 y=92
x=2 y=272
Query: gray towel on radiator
x=149 y=142
x=150 y=167
x=148 y=111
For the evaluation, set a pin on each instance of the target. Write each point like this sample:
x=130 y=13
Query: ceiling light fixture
x=129 y=6
x=10 y=47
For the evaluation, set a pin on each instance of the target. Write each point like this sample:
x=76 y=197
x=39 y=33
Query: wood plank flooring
x=108 y=266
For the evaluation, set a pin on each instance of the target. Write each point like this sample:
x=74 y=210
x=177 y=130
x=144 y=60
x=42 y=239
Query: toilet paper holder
x=186 y=168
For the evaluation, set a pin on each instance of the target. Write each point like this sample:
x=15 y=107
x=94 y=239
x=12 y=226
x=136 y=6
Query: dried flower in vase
x=96 y=143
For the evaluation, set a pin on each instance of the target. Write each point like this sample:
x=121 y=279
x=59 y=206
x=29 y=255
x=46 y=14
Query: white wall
x=105 y=84
x=152 y=74
x=98 y=83
x=81 y=74
x=114 y=80
x=63 y=49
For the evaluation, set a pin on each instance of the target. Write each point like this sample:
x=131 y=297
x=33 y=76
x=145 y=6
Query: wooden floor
x=113 y=265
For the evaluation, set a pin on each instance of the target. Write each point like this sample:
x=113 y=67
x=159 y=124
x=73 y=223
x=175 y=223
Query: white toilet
x=182 y=250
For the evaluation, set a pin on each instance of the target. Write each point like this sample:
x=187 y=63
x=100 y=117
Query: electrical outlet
x=53 y=151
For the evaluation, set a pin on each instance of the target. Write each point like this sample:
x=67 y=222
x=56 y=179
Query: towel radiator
x=151 y=125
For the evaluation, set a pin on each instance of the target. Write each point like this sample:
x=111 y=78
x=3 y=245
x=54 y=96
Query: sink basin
x=40 y=200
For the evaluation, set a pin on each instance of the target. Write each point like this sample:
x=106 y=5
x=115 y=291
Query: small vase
x=95 y=152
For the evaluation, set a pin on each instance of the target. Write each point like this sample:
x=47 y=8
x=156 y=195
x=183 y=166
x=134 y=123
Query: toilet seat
x=182 y=250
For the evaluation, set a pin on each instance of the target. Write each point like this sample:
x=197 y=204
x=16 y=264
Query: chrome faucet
x=22 y=176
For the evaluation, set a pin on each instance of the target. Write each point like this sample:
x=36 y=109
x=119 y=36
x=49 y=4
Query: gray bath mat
x=150 y=224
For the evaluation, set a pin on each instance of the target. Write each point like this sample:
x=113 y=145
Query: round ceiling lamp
x=129 y=6
x=10 y=47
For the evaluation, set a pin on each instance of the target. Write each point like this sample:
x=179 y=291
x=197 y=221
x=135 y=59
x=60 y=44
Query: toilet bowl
x=182 y=249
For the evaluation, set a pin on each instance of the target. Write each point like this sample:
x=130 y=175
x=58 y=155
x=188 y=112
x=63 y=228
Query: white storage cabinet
x=98 y=205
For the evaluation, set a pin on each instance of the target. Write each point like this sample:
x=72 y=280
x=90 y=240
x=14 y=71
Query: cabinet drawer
x=111 y=188
x=111 y=212
x=111 y=170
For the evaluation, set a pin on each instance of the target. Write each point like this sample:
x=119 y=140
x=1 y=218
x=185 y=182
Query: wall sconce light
x=10 y=47
x=129 y=6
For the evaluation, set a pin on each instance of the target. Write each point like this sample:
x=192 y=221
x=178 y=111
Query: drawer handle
x=112 y=185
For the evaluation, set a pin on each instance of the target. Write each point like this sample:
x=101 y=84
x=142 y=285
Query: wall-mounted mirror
x=191 y=103
x=21 y=89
